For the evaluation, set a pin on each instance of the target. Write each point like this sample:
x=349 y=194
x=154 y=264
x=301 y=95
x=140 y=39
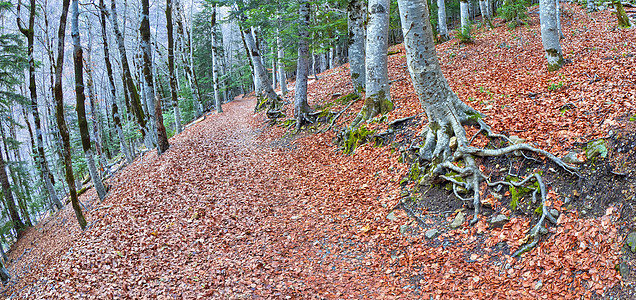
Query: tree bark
x=61 y=121
x=144 y=30
x=441 y=19
x=78 y=63
x=378 y=98
x=357 y=13
x=463 y=12
x=40 y=156
x=301 y=107
x=550 y=34
x=281 y=56
x=186 y=58
x=623 y=20
x=18 y=225
x=215 y=64
x=266 y=94
x=111 y=84
x=173 y=78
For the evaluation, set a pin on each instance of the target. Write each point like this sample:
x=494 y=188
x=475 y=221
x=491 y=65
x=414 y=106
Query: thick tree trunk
x=39 y=153
x=61 y=121
x=463 y=14
x=128 y=82
x=485 y=14
x=550 y=34
x=441 y=20
x=266 y=94
x=301 y=107
x=378 y=98
x=215 y=64
x=173 y=78
x=357 y=14
x=144 y=30
x=111 y=84
x=78 y=63
x=558 y=18
x=9 y=202
x=623 y=20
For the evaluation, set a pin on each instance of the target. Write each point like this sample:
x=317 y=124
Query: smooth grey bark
x=441 y=19
x=78 y=64
x=111 y=84
x=171 y=69
x=591 y=6
x=301 y=107
x=183 y=36
x=550 y=34
x=483 y=8
x=215 y=63
x=146 y=49
x=463 y=13
x=356 y=11
x=378 y=98
x=558 y=18
x=281 y=55
x=9 y=202
x=266 y=94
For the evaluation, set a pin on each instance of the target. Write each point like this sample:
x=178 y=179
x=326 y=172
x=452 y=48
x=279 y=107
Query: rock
x=630 y=241
x=499 y=221
x=555 y=213
x=595 y=149
x=538 y=285
x=391 y=216
x=459 y=220
x=453 y=143
x=431 y=233
x=516 y=140
x=623 y=268
x=571 y=158
x=404 y=229
x=488 y=107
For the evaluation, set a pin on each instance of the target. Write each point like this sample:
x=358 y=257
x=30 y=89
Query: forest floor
x=238 y=209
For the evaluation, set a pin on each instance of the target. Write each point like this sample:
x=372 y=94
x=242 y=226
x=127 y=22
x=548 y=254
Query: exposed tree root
x=451 y=158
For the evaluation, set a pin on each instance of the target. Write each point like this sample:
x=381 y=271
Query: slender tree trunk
x=173 y=79
x=301 y=107
x=464 y=16
x=111 y=84
x=623 y=20
x=18 y=225
x=550 y=34
x=144 y=30
x=558 y=18
x=98 y=135
x=357 y=15
x=186 y=58
x=39 y=152
x=129 y=84
x=267 y=96
x=215 y=64
x=378 y=98
x=274 y=73
x=61 y=121
x=78 y=63
x=281 y=56
x=17 y=177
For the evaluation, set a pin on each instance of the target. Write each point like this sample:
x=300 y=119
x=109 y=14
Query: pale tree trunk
x=332 y=63
x=274 y=73
x=128 y=82
x=550 y=34
x=485 y=13
x=378 y=98
x=40 y=157
x=184 y=38
x=281 y=55
x=173 y=79
x=266 y=94
x=146 y=47
x=111 y=84
x=301 y=107
x=463 y=13
x=98 y=134
x=61 y=121
x=558 y=18
x=357 y=13
x=215 y=64
x=78 y=63
x=9 y=202
x=441 y=19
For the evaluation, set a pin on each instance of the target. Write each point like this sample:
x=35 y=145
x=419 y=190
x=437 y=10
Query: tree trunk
x=215 y=64
x=357 y=14
x=266 y=94
x=128 y=82
x=550 y=34
x=18 y=225
x=301 y=107
x=463 y=12
x=590 y=6
x=80 y=108
x=173 y=79
x=378 y=98
x=111 y=85
x=281 y=56
x=61 y=121
x=40 y=156
x=441 y=20
x=186 y=58
x=17 y=176
x=623 y=20
x=144 y=30
x=558 y=18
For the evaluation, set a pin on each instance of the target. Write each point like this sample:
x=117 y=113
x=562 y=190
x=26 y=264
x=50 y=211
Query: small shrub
x=514 y=10
x=464 y=34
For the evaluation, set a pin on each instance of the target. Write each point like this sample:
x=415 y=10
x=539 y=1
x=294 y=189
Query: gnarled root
x=447 y=125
